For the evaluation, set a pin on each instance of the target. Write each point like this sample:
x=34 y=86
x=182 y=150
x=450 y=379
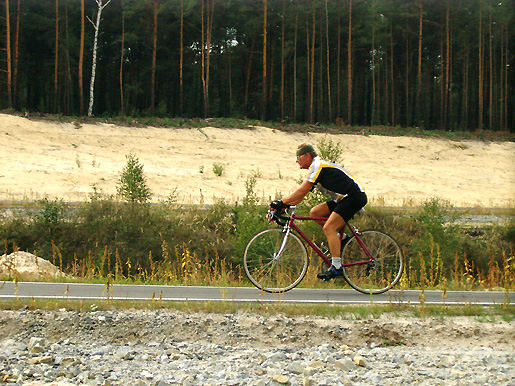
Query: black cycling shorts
x=349 y=205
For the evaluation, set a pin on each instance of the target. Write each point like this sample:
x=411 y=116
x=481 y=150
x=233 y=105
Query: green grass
x=348 y=312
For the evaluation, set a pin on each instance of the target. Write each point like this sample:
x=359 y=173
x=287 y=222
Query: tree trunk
x=56 y=57
x=465 y=121
x=295 y=69
x=406 y=80
x=373 y=112
x=308 y=67
x=68 y=84
x=181 y=62
x=392 y=89
x=312 y=65
x=480 y=72
x=490 y=67
x=122 y=103
x=81 y=59
x=447 y=64
x=247 y=76
x=349 y=68
x=442 y=84
x=154 y=54
x=265 y=13
x=202 y=57
x=8 y=52
x=501 y=81
x=419 y=66
x=281 y=97
x=16 y=56
x=338 y=69
x=208 y=9
x=506 y=39
x=96 y=26
x=328 y=65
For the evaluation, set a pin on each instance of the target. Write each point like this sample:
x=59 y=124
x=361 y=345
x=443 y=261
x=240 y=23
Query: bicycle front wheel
x=378 y=276
x=269 y=271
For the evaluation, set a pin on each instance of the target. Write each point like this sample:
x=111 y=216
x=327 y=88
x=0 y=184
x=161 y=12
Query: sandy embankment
x=62 y=160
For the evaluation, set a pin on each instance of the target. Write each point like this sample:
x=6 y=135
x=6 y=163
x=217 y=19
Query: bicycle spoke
x=379 y=275
x=270 y=272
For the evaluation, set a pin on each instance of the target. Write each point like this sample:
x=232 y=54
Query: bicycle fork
x=283 y=244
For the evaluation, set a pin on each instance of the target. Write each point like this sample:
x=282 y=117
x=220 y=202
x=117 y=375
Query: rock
x=295 y=368
x=36 y=345
x=309 y=371
x=344 y=364
x=26 y=266
x=360 y=361
x=165 y=347
x=281 y=379
x=42 y=359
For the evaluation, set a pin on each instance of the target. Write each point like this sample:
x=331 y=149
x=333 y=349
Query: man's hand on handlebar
x=278 y=205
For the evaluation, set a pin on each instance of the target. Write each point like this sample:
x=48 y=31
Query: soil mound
x=26 y=266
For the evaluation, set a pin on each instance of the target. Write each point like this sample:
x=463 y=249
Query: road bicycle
x=276 y=259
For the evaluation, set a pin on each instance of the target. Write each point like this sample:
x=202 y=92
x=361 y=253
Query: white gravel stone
x=143 y=347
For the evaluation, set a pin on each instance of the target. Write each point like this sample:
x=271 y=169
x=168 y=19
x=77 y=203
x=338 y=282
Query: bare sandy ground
x=64 y=160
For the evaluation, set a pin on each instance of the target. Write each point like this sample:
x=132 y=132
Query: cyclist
x=347 y=198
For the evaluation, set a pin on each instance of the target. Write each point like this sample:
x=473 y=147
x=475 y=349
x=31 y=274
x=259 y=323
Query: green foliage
x=329 y=150
x=51 y=214
x=437 y=230
x=249 y=218
x=218 y=169
x=110 y=232
x=132 y=185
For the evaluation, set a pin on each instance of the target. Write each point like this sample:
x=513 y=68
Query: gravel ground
x=147 y=347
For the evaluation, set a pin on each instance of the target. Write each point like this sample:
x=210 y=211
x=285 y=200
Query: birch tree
x=96 y=26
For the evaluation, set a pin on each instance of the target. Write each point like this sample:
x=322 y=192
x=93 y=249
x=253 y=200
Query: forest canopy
x=428 y=63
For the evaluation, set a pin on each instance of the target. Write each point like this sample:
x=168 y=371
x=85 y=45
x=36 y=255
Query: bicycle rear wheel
x=272 y=273
x=376 y=277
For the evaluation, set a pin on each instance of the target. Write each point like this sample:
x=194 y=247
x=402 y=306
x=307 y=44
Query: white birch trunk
x=96 y=26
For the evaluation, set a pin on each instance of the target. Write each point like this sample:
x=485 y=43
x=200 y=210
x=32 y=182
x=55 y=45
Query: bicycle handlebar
x=278 y=217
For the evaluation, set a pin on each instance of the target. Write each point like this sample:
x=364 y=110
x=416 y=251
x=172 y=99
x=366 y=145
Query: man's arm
x=298 y=195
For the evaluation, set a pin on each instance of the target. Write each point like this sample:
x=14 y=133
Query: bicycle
x=276 y=260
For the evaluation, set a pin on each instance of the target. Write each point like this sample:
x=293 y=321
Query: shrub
x=218 y=169
x=132 y=185
x=329 y=150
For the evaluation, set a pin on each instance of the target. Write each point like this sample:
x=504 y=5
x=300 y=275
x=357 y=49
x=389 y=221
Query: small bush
x=329 y=150
x=218 y=169
x=132 y=185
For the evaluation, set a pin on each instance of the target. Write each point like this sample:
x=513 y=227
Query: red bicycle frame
x=291 y=224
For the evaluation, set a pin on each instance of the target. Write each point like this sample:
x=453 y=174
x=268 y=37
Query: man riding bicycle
x=347 y=198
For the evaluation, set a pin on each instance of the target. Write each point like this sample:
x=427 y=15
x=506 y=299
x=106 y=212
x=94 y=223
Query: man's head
x=305 y=154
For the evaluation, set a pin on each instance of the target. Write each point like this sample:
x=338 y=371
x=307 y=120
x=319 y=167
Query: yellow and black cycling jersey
x=332 y=179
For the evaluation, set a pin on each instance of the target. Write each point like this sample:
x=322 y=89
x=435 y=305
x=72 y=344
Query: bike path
x=85 y=291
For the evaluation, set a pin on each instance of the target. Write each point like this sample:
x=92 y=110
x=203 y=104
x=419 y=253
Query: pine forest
x=433 y=64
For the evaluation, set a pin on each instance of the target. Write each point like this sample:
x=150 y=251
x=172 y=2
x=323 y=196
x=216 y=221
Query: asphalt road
x=77 y=291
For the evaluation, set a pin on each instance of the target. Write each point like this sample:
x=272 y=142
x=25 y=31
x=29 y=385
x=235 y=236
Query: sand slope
x=55 y=160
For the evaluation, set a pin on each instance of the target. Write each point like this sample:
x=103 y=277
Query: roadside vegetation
x=108 y=239
x=127 y=239
x=350 y=312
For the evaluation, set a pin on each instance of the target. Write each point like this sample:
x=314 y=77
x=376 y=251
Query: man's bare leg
x=333 y=224
x=320 y=210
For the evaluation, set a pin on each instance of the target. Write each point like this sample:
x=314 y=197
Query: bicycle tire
x=376 y=277
x=268 y=273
